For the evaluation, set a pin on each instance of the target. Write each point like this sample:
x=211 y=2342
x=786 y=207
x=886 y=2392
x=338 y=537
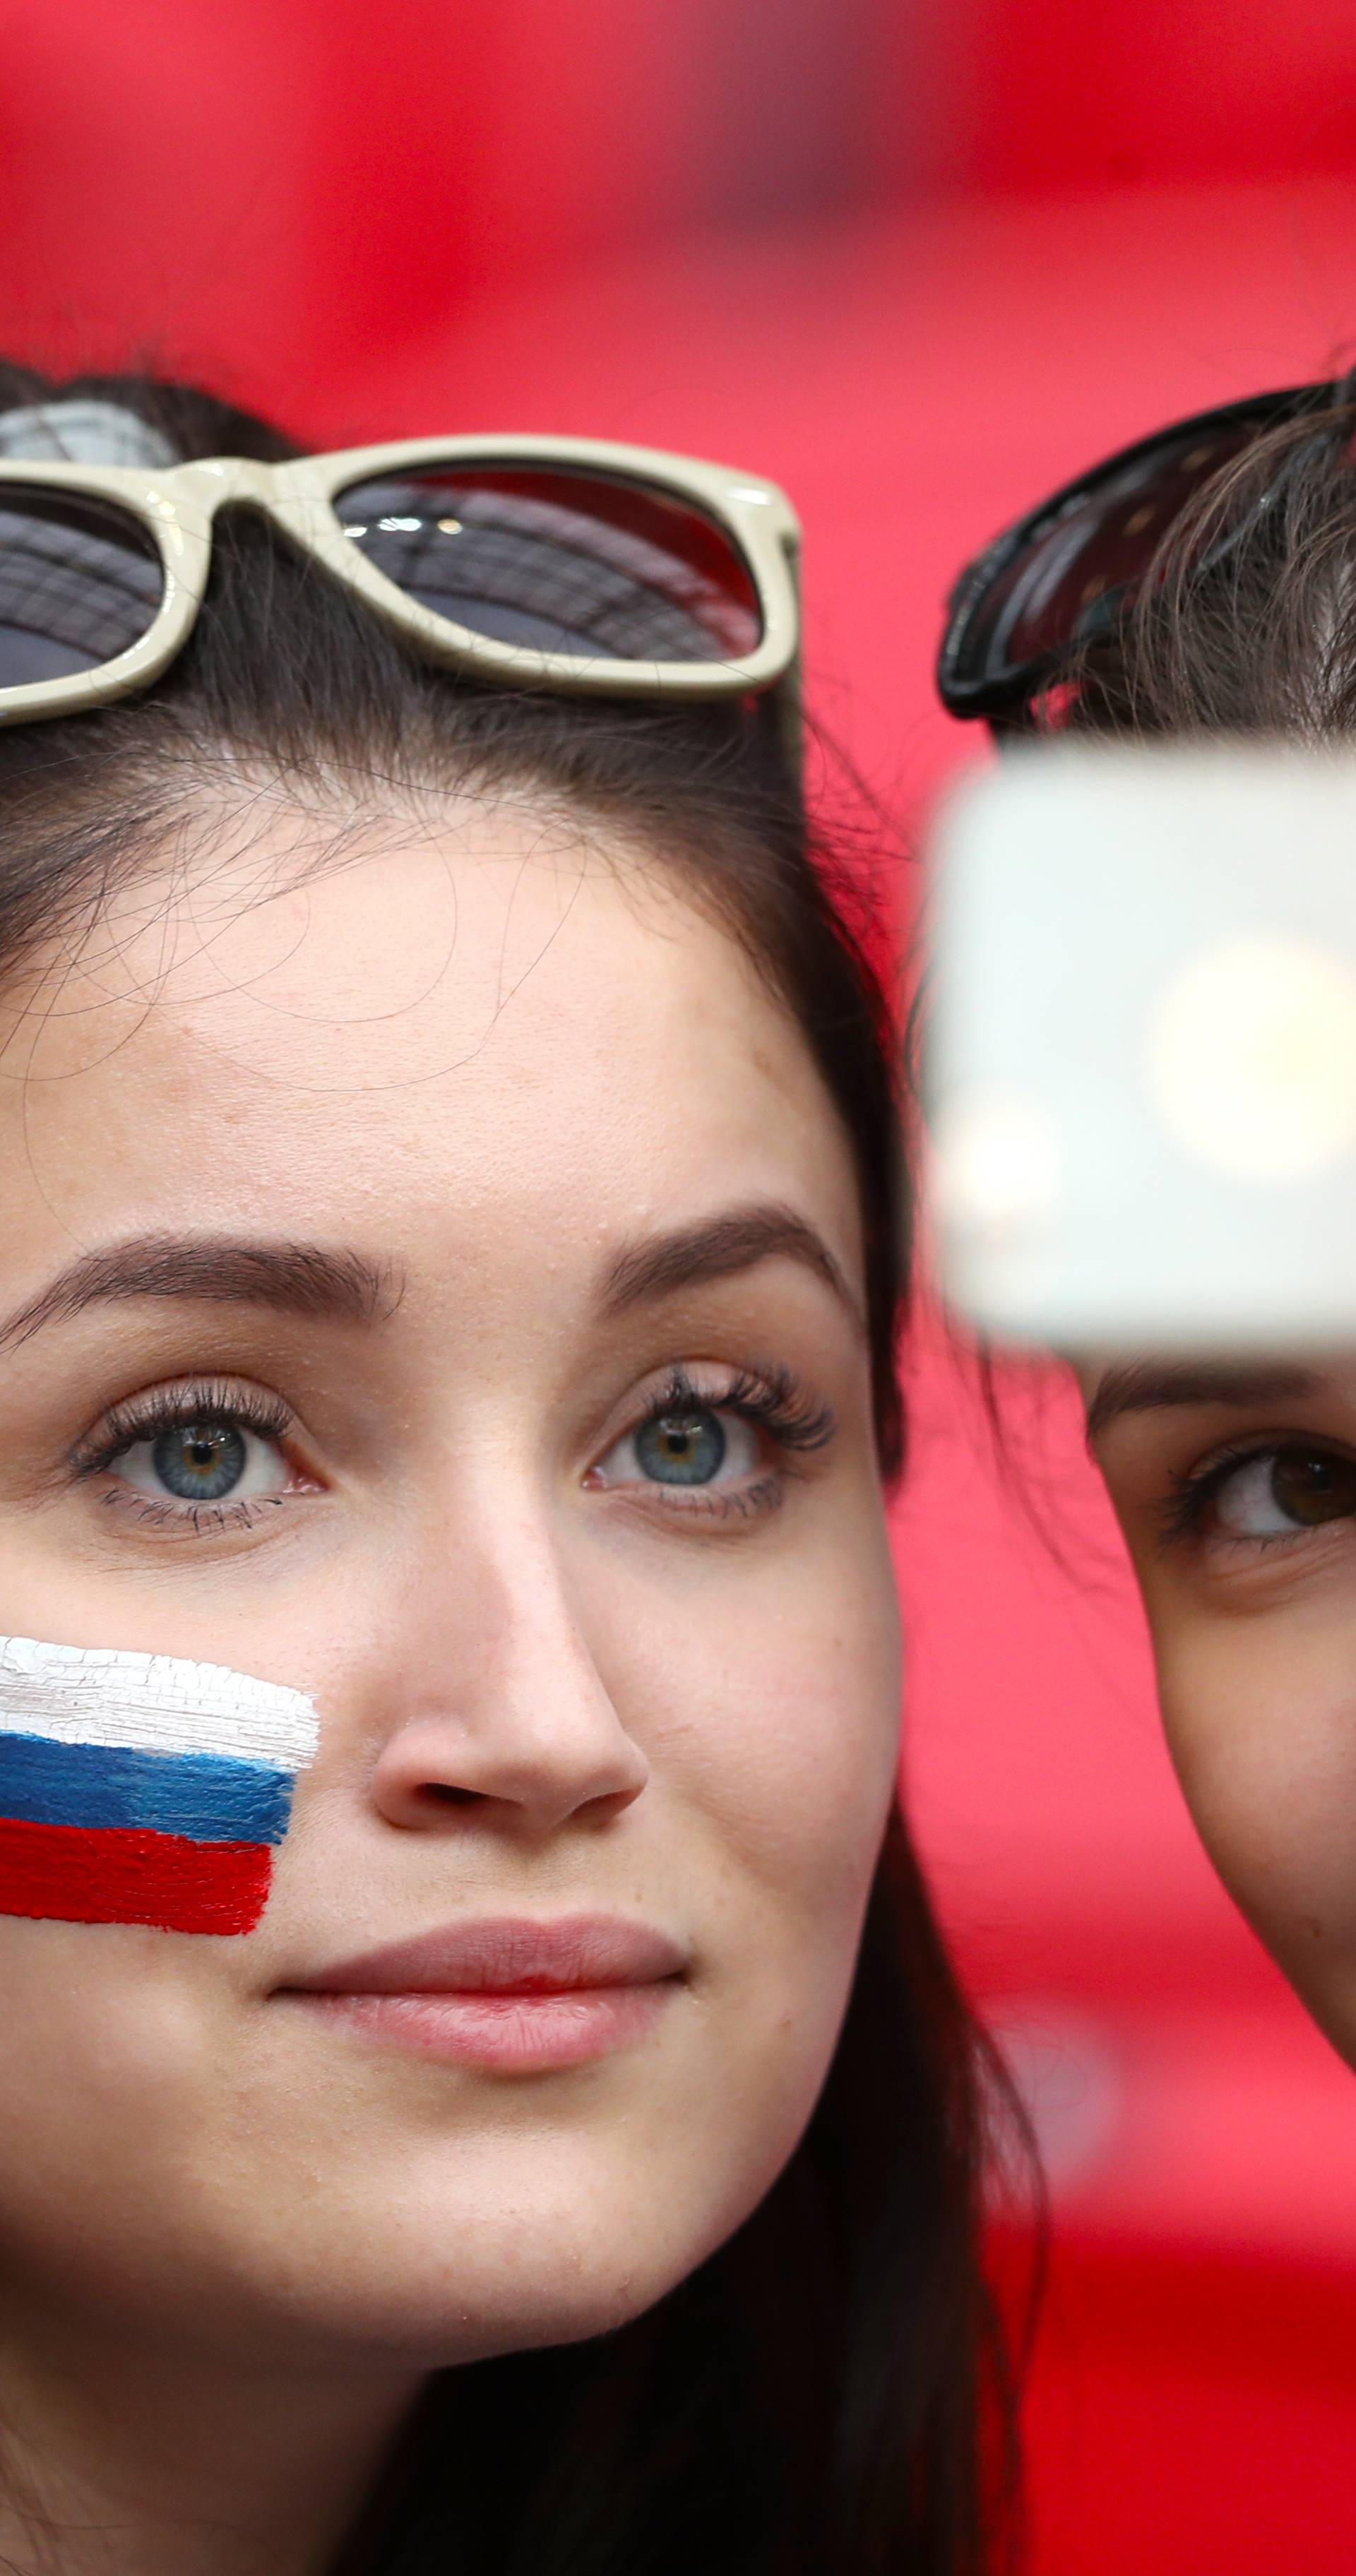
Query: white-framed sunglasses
x=568 y=565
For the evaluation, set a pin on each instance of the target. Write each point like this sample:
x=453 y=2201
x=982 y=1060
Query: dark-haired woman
x=1203 y=584
x=481 y=2089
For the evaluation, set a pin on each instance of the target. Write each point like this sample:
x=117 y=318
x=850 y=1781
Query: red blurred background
x=920 y=267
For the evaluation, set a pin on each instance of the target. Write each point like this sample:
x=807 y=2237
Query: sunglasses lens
x=1078 y=570
x=564 y=562
x=80 y=581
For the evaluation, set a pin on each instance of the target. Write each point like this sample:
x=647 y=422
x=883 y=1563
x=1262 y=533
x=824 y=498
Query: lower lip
x=533 y=2033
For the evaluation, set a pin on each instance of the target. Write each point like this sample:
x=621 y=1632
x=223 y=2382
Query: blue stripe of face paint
x=204 y=1796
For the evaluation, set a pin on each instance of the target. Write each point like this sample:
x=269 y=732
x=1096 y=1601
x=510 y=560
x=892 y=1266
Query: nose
x=501 y=1709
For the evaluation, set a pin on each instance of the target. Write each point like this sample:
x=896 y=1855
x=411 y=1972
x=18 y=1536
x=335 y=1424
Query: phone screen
x=1140 y=1074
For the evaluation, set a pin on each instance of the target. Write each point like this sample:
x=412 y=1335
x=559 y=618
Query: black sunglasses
x=1067 y=572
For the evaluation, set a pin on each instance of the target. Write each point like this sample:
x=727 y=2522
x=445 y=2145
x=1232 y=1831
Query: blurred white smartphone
x=1140 y=1073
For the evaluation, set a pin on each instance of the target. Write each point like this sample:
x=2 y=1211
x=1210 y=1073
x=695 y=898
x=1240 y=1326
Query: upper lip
x=508 y=1954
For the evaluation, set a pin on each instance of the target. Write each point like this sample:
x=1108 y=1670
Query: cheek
x=773 y=1746
x=801 y=1779
x=775 y=1731
x=118 y=2035
x=1261 y=1720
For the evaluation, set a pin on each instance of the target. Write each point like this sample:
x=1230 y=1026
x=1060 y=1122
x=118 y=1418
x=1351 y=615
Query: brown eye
x=1279 y=1491
x=1313 y=1485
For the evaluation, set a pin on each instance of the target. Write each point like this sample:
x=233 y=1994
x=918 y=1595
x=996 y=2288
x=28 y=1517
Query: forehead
x=489 y=1014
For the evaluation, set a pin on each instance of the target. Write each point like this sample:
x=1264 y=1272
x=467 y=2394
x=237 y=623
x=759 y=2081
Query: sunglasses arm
x=787 y=695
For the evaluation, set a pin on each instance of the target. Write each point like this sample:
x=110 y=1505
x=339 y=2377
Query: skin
x=489 y=1061
x=1236 y=1491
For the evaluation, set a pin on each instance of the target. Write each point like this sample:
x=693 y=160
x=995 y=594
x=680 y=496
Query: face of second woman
x=536 y=1449
x=1236 y=1490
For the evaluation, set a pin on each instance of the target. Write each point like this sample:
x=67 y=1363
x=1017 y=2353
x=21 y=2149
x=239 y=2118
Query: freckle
x=1313 y=1926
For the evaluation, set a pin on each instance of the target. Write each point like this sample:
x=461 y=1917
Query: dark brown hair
x=818 y=2399
x=1245 y=624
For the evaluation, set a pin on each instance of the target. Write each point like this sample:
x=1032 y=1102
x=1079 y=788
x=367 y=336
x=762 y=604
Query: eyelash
x=1182 y=1515
x=772 y=1398
x=174 y=1409
x=1182 y=1512
x=207 y=1400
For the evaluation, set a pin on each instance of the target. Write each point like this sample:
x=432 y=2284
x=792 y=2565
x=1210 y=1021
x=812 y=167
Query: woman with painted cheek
x=1203 y=584
x=481 y=2086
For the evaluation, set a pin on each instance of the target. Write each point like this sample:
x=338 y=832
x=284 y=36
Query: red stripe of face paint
x=92 y=1874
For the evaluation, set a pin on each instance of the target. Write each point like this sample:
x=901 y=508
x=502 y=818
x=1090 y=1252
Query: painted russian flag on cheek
x=142 y=1789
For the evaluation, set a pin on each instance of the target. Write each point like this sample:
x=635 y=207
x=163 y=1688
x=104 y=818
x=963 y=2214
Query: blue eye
x=687 y=1443
x=682 y=1448
x=201 y=1463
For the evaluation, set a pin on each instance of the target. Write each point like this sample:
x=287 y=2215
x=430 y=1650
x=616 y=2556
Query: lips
x=504 y=1996
x=509 y=1955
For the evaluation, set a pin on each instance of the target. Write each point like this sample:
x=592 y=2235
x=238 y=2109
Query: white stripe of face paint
x=152 y=1704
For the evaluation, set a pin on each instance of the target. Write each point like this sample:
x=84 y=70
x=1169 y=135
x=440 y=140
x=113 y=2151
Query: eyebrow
x=1145 y=1387
x=291 y=1278
x=345 y=1286
x=718 y=1248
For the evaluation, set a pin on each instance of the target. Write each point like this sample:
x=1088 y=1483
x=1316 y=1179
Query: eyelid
x=784 y=1416
x=125 y=1424
x=766 y=1392
x=1181 y=1512
x=1245 y=1446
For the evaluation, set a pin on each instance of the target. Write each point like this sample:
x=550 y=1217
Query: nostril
x=441 y=1793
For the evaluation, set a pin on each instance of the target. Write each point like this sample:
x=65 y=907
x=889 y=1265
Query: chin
x=514 y=2317
x=516 y=2296
x=480 y=2275
x=1332 y=2008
